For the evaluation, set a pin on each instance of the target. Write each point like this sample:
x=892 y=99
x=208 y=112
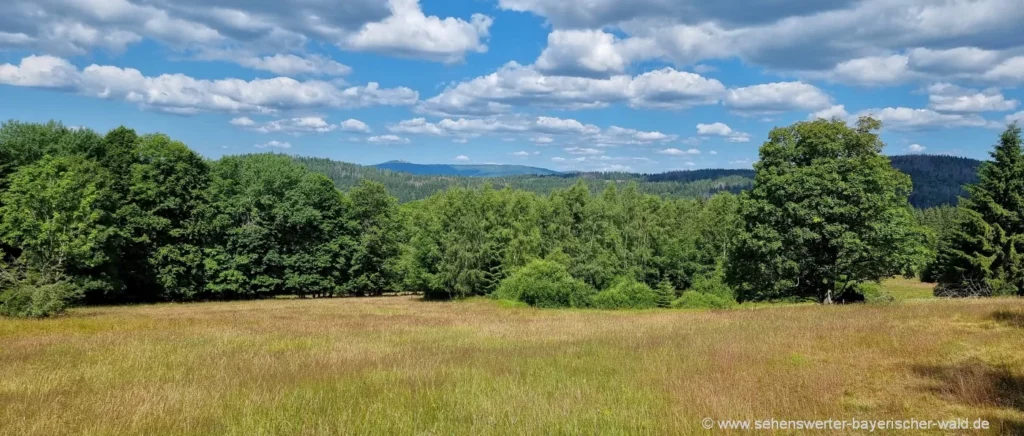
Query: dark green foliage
x=938 y=180
x=542 y=283
x=827 y=213
x=984 y=254
x=165 y=216
x=57 y=212
x=34 y=294
x=373 y=268
x=665 y=293
x=626 y=293
x=700 y=300
x=275 y=229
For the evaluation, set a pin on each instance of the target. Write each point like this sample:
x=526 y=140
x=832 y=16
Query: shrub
x=544 y=283
x=713 y=284
x=665 y=293
x=31 y=295
x=872 y=293
x=700 y=300
x=626 y=294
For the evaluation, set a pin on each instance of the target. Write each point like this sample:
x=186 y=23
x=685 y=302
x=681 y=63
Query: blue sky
x=638 y=85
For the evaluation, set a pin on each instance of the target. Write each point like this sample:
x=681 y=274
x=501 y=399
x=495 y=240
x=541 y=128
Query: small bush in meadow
x=544 y=283
x=626 y=294
x=872 y=293
x=665 y=293
x=26 y=294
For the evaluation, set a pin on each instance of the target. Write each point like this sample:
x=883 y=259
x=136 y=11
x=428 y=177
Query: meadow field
x=401 y=365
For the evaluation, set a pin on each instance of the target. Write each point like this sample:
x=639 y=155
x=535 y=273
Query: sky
x=590 y=85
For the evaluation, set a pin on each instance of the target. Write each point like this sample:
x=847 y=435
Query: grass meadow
x=400 y=365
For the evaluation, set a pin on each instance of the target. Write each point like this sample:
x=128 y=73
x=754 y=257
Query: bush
x=31 y=295
x=666 y=293
x=713 y=284
x=872 y=293
x=626 y=294
x=544 y=283
x=26 y=301
x=700 y=300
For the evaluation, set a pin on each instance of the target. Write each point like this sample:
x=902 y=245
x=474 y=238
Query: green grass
x=405 y=366
x=906 y=289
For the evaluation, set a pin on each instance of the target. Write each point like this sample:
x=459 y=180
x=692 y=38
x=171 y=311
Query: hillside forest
x=119 y=218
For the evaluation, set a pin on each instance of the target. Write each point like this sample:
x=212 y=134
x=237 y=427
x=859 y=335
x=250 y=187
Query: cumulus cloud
x=514 y=85
x=902 y=118
x=916 y=149
x=678 y=152
x=388 y=139
x=525 y=153
x=181 y=94
x=772 y=98
x=395 y=27
x=297 y=126
x=895 y=40
x=540 y=130
x=873 y=70
x=946 y=97
x=588 y=53
x=275 y=144
x=410 y=33
x=583 y=151
x=722 y=130
x=284 y=64
x=354 y=125
x=462 y=158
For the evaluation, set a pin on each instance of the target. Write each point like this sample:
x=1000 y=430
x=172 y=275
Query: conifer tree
x=984 y=255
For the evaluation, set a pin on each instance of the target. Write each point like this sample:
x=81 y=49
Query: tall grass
x=405 y=366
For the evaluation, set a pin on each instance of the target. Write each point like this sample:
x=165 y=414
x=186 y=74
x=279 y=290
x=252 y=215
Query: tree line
x=121 y=218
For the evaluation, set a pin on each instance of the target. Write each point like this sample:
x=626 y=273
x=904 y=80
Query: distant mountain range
x=464 y=170
x=938 y=180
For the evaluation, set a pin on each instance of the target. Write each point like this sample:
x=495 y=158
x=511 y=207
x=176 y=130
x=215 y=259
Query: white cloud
x=583 y=151
x=916 y=148
x=354 y=125
x=300 y=125
x=947 y=97
x=514 y=85
x=902 y=118
x=892 y=41
x=410 y=33
x=1017 y=117
x=275 y=144
x=181 y=94
x=771 y=98
x=678 y=152
x=525 y=153
x=837 y=111
x=292 y=65
x=396 y=27
x=723 y=130
x=388 y=139
x=1009 y=71
x=243 y=122
x=873 y=70
x=542 y=140
x=586 y=53
x=462 y=158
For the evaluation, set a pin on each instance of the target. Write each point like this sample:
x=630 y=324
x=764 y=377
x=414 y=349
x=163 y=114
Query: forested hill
x=937 y=180
x=464 y=170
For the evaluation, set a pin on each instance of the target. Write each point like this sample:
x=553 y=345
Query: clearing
x=402 y=366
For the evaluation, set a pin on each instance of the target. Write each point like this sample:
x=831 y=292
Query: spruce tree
x=984 y=255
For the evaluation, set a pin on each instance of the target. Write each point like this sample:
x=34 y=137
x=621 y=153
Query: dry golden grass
x=405 y=366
